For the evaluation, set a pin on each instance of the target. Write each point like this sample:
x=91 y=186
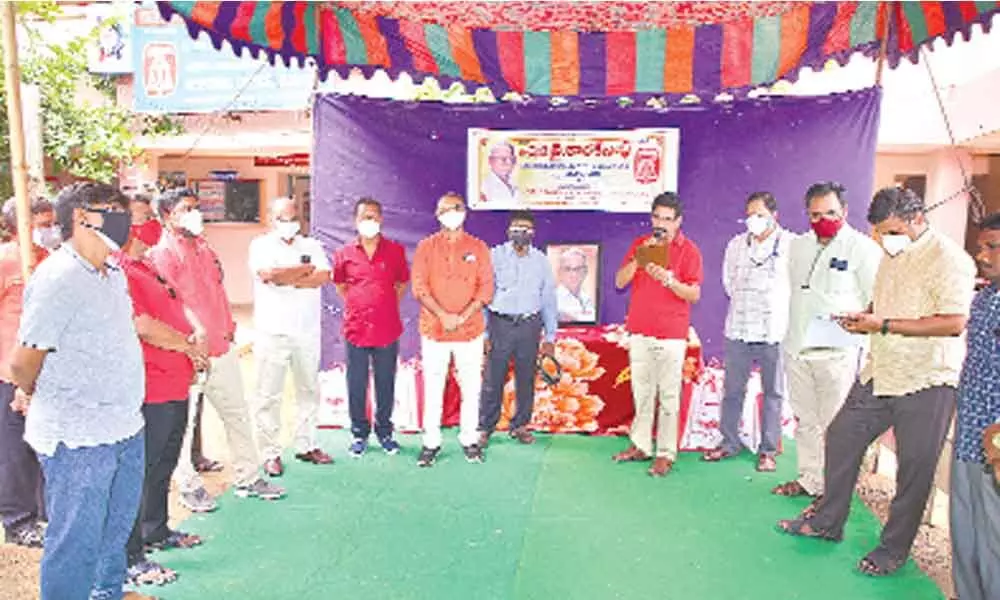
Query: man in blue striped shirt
x=524 y=303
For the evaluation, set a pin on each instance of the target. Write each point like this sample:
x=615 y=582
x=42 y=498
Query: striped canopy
x=581 y=48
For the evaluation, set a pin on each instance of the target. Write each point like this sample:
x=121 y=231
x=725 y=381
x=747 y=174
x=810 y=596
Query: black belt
x=515 y=319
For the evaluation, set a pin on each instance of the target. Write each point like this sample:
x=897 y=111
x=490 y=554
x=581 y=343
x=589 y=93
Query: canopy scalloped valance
x=583 y=48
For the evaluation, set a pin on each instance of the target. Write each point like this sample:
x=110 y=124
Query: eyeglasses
x=580 y=269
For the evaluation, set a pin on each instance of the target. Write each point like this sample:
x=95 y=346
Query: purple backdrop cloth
x=408 y=154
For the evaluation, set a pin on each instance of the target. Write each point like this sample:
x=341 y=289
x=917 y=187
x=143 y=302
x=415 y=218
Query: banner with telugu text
x=615 y=171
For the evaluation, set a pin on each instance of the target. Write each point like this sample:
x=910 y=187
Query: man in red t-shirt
x=170 y=352
x=664 y=269
x=371 y=274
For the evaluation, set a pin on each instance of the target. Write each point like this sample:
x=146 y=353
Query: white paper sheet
x=824 y=332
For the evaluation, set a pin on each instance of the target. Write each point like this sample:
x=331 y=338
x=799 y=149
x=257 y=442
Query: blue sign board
x=176 y=74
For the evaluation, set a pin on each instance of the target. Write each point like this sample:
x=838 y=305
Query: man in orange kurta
x=453 y=280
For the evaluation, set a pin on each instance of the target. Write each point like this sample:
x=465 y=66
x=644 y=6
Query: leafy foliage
x=84 y=132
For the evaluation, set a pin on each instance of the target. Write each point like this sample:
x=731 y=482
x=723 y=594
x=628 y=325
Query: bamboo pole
x=19 y=163
x=890 y=10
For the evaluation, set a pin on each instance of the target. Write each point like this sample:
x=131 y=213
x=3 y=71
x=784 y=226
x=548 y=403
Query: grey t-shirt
x=92 y=384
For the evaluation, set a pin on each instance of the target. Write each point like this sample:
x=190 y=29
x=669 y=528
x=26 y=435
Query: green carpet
x=554 y=520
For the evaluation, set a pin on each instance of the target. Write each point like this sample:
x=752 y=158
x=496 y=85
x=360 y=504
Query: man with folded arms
x=193 y=270
x=923 y=290
x=21 y=503
x=370 y=274
x=664 y=286
x=524 y=305
x=288 y=270
x=453 y=281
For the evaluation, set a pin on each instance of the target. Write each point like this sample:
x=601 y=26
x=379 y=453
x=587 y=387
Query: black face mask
x=659 y=233
x=115 y=228
x=520 y=237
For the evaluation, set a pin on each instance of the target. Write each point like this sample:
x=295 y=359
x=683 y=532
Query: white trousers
x=436 y=358
x=817 y=389
x=224 y=391
x=275 y=356
x=657 y=370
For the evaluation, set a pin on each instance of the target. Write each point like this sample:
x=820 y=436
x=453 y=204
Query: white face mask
x=369 y=228
x=192 y=222
x=452 y=219
x=47 y=237
x=287 y=229
x=757 y=224
x=895 y=243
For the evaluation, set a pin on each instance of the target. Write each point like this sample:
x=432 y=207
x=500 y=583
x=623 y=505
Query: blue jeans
x=740 y=357
x=92 y=498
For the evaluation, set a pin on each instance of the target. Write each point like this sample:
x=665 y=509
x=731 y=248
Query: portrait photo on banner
x=615 y=171
x=576 y=266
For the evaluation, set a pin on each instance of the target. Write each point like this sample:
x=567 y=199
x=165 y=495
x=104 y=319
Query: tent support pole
x=888 y=7
x=18 y=158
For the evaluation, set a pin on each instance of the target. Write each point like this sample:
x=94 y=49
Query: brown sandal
x=811 y=510
x=802 y=528
x=662 y=467
x=632 y=454
x=717 y=454
x=790 y=489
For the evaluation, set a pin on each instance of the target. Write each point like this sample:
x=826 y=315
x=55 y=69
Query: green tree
x=83 y=138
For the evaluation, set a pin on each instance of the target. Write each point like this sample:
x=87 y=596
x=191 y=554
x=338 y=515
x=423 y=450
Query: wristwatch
x=885 y=326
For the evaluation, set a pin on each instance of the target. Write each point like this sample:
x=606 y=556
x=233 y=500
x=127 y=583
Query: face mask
x=47 y=237
x=148 y=233
x=827 y=228
x=192 y=222
x=520 y=237
x=895 y=243
x=757 y=224
x=369 y=228
x=114 y=232
x=287 y=229
x=452 y=219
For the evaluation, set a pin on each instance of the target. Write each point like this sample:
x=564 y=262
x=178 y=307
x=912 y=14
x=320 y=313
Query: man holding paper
x=832 y=270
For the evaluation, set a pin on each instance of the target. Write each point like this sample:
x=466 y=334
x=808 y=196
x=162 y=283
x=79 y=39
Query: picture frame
x=577 y=270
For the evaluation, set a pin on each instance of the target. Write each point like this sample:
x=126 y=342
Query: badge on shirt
x=470 y=257
x=838 y=264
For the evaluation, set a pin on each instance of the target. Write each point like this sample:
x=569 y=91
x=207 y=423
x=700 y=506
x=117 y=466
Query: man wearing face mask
x=170 y=353
x=194 y=271
x=755 y=277
x=80 y=369
x=453 y=281
x=923 y=291
x=832 y=271
x=370 y=274
x=288 y=270
x=523 y=305
x=21 y=503
x=664 y=270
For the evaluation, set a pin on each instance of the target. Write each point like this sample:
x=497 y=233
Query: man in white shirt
x=498 y=189
x=575 y=305
x=832 y=270
x=288 y=271
x=755 y=277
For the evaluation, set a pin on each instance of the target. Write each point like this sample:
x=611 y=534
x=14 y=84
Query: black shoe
x=30 y=536
x=427 y=456
x=474 y=454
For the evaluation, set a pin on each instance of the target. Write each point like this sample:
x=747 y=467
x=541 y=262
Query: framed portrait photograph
x=576 y=266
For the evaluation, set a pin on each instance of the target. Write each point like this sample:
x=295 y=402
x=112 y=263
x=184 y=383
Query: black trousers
x=165 y=425
x=21 y=500
x=510 y=338
x=920 y=423
x=382 y=361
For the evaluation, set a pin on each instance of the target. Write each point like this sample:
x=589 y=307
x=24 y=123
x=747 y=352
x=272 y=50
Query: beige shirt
x=828 y=280
x=934 y=276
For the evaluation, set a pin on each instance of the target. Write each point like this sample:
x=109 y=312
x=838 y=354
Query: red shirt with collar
x=11 y=300
x=371 y=304
x=168 y=373
x=192 y=268
x=654 y=310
